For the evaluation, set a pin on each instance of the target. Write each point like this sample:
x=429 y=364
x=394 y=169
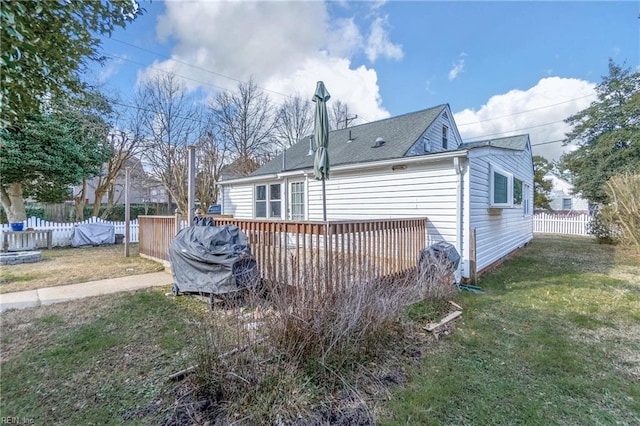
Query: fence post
x=177 y=223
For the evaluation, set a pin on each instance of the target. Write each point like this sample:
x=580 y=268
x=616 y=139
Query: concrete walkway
x=63 y=293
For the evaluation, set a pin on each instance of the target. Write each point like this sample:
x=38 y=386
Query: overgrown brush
x=623 y=211
x=302 y=343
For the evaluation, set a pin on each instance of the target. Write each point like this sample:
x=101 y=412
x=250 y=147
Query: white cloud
x=458 y=67
x=286 y=47
x=344 y=38
x=539 y=111
x=110 y=69
x=378 y=43
x=356 y=87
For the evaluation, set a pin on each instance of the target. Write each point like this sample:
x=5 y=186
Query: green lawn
x=554 y=340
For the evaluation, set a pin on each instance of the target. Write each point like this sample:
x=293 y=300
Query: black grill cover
x=212 y=260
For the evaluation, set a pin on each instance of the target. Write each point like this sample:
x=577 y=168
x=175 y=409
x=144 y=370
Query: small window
x=500 y=188
x=261 y=201
x=567 y=204
x=517 y=192
x=526 y=199
x=274 y=201
x=297 y=200
x=445 y=137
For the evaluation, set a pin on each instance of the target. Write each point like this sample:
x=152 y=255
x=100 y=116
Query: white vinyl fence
x=561 y=224
x=62 y=232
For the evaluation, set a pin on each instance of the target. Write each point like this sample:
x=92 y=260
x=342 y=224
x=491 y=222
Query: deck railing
x=335 y=252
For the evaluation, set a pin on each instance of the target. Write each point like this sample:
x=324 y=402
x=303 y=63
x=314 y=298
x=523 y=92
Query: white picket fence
x=62 y=232
x=561 y=224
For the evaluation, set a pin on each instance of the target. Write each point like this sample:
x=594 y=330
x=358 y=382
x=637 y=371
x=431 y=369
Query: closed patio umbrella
x=321 y=136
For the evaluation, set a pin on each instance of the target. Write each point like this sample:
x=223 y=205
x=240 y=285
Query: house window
x=275 y=201
x=526 y=199
x=261 y=201
x=268 y=201
x=445 y=137
x=517 y=192
x=500 y=188
x=567 y=204
x=297 y=201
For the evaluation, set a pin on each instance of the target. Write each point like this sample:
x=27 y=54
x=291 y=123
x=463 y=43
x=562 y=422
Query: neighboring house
x=413 y=165
x=562 y=199
x=142 y=188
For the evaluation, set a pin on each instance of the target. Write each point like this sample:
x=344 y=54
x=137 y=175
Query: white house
x=562 y=197
x=413 y=165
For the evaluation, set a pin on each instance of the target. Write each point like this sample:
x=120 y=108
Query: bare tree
x=244 y=122
x=124 y=145
x=294 y=120
x=171 y=122
x=339 y=117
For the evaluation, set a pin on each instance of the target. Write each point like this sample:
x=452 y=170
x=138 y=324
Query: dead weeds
x=67 y=265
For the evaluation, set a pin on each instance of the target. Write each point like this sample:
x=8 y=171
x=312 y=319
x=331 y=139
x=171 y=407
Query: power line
x=548 y=142
x=307 y=101
x=114 y=56
x=528 y=110
x=517 y=130
x=110 y=55
x=139 y=108
x=197 y=67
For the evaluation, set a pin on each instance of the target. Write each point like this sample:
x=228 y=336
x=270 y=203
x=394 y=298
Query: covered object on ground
x=212 y=260
x=93 y=234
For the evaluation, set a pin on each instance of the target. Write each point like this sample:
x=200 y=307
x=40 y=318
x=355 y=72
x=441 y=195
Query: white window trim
x=267 y=201
x=515 y=204
x=509 y=176
x=304 y=198
x=527 y=201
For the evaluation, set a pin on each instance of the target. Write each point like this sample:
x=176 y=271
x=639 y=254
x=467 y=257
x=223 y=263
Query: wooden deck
x=311 y=253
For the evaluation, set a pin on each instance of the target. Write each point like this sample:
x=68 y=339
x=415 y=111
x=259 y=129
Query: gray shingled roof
x=399 y=133
x=518 y=143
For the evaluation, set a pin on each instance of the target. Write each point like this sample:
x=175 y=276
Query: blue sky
x=503 y=67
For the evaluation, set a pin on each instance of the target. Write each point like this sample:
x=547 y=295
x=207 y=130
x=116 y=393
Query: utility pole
x=348 y=120
x=127 y=209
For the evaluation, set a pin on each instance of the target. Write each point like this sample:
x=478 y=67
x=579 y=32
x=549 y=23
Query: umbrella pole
x=324 y=202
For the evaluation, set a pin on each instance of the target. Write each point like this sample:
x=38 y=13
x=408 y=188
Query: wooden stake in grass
x=443 y=321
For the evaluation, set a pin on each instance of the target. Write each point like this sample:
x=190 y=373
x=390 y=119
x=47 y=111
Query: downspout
x=457 y=166
x=221 y=198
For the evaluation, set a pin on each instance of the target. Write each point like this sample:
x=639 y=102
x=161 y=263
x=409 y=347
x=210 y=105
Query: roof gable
x=399 y=134
x=517 y=143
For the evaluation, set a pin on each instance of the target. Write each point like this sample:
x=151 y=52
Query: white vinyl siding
x=498 y=231
x=426 y=190
x=237 y=200
x=432 y=138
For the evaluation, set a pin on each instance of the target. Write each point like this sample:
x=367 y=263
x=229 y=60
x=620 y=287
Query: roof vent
x=311 y=150
x=379 y=142
x=350 y=138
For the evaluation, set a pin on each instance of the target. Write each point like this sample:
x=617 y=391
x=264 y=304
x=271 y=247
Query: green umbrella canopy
x=321 y=132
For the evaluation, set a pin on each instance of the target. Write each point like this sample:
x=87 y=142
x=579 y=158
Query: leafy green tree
x=608 y=134
x=46 y=153
x=46 y=45
x=541 y=187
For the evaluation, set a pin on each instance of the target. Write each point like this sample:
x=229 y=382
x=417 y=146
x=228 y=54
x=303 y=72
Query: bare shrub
x=623 y=211
x=237 y=370
x=303 y=342
x=332 y=322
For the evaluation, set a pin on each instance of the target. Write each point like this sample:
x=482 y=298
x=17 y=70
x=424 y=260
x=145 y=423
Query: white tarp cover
x=93 y=234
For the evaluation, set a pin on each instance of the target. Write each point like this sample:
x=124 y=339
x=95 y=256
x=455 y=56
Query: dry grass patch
x=63 y=266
